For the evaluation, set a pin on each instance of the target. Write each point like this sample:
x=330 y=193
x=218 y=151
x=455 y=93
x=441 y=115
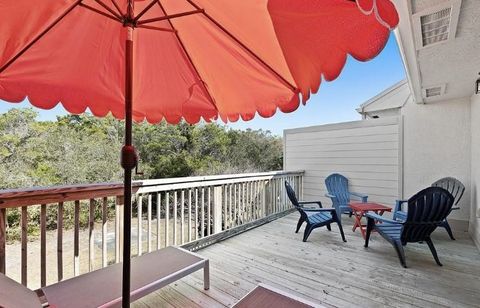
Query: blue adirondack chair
x=453 y=186
x=337 y=187
x=314 y=217
x=426 y=210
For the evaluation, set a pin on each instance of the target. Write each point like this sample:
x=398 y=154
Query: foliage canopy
x=85 y=149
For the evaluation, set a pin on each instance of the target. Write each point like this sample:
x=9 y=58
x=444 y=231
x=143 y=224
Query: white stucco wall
x=437 y=143
x=474 y=227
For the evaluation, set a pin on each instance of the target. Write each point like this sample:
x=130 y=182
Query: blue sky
x=335 y=101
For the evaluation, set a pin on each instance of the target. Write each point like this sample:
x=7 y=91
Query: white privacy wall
x=475 y=171
x=366 y=152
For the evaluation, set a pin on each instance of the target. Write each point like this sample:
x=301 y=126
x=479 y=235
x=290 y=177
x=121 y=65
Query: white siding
x=367 y=152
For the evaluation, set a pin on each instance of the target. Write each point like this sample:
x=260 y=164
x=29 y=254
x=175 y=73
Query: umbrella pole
x=129 y=162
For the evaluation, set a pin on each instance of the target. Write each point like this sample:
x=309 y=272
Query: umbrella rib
x=157 y=28
x=148 y=7
x=98 y=11
x=39 y=36
x=168 y=17
x=108 y=9
x=117 y=7
x=189 y=58
x=223 y=29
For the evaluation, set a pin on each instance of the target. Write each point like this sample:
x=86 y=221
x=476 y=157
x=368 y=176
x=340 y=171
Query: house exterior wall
x=437 y=143
x=436 y=140
x=367 y=152
x=474 y=227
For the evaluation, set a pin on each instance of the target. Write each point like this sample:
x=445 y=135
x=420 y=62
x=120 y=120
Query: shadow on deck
x=326 y=270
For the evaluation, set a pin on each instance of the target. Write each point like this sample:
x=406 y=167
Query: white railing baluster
x=182 y=216
x=149 y=223
x=235 y=204
x=243 y=207
x=43 y=245
x=229 y=222
x=104 y=231
x=274 y=196
x=254 y=200
x=118 y=229
x=167 y=217
x=225 y=205
x=248 y=210
x=217 y=209
x=175 y=217
x=159 y=203
x=76 y=242
x=209 y=210
x=91 y=243
x=196 y=213
x=139 y=225
x=189 y=224
x=202 y=221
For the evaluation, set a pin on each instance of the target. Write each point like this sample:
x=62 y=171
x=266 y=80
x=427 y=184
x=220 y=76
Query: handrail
x=51 y=194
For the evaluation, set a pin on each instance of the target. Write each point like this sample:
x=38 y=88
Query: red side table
x=359 y=209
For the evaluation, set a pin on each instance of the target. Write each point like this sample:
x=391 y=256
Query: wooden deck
x=325 y=270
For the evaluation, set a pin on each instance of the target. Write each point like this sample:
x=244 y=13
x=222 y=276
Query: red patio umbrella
x=160 y=60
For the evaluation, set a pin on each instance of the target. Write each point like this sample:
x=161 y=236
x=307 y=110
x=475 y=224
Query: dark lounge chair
x=314 y=217
x=337 y=187
x=102 y=288
x=426 y=210
x=453 y=186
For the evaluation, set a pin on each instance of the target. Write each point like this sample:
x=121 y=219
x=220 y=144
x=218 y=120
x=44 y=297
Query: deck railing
x=191 y=211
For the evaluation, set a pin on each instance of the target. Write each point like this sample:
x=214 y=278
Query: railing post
x=217 y=209
x=43 y=245
x=24 y=226
x=3 y=238
x=59 y=242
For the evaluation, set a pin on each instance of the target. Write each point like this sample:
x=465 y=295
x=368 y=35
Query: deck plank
x=326 y=270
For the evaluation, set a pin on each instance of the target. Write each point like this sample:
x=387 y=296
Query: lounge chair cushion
x=15 y=295
x=103 y=287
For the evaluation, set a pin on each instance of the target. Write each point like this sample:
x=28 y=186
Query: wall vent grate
x=435 y=91
x=436 y=24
